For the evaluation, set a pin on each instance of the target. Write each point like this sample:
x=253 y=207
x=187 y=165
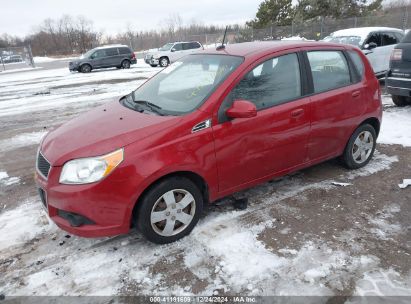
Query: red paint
x=229 y=156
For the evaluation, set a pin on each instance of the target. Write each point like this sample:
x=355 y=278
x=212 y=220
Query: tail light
x=133 y=56
x=396 y=54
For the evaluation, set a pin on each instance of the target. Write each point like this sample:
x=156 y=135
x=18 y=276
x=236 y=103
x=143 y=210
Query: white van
x=375 y=42
x=171 y=52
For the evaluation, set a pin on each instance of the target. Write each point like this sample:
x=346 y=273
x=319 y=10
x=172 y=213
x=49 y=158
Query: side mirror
x=242 y=109
x=370 y=46
x=173 y=49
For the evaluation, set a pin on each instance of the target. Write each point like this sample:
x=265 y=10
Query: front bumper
x=91 y=210
x=398 y=86
x=152 y=61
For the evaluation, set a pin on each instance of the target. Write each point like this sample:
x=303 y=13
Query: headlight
x=91 y=169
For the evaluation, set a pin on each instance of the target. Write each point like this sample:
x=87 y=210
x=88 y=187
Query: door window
x=271 y=83
x=178 y=47
x=191 y=45
x=358 y=63
x=374 y=37
x=388 y=39
x=329 y=70
x=99 y=54
x=112 y=52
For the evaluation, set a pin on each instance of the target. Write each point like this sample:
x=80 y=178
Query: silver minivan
x=171 y=52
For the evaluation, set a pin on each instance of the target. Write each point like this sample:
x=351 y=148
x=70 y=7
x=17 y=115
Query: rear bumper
x=133 y=61
x=398 y=86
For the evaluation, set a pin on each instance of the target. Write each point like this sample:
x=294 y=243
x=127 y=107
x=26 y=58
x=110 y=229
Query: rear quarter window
x=358 y=64
x=124 y=50
x=407 y=38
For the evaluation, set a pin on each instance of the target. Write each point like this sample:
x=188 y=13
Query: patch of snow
x=6 y=180
x=396 y=123
x=405 y=183
x=22 y=224
x=383 y=226
x=38 y=59
x=341 y=184
x=378 y=163
x=21 y=140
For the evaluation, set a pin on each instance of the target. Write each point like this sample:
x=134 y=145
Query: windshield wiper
x=153 y=107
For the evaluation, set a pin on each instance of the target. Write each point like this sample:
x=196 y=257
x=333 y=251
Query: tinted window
x=124 y=50
x=99 y=54
x=111 y=52
x=374 y=37
x=329 y=70
x=271 y=83
x=178 y=47
x=192 y=45
x=388 y=39
x=358 y=63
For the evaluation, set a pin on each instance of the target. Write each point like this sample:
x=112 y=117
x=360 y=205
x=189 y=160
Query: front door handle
x=356 y=94
x=296 y=113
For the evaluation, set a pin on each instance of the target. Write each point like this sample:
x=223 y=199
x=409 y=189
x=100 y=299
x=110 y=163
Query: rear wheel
x=400 y=101
x=360 y=148
x=85 y=68
x=169 y=210
x=125 y=64
x=164 y=62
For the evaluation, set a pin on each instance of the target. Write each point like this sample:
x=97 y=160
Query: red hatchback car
x=211 y=124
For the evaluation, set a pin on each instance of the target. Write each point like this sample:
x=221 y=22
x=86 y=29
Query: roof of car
x=111 y=45
x=363 y=31
x=248 y=48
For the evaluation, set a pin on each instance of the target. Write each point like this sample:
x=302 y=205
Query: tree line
x=74 y=35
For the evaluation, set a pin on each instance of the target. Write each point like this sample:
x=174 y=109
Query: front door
x=275 y=140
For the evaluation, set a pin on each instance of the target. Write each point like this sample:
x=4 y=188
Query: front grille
x=43 y=165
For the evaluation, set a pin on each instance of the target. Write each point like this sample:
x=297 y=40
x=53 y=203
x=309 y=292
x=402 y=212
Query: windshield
x=87 y=54
x=166 y=47
x=353 y=40
x=184 y=85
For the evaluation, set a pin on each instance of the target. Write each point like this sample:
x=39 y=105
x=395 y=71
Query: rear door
x=336 y=101
x=112 y=58
x=176 y=52
x=249 y=149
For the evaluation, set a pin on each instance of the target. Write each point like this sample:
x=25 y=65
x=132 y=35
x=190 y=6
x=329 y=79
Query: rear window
x=124 y=50
x=329 y=70
x=407 y=38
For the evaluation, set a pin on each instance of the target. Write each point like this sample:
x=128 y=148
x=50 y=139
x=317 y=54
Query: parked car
x=12 y=59
x=398 y=80
x=109 y=56
x=211 y=124
x=376 y=42
x=171 y=52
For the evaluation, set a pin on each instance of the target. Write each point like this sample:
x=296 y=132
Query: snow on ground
x=38 y=59
x=6 y=180
x=21 y=140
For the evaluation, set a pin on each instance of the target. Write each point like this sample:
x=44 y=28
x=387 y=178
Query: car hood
x=101 y=131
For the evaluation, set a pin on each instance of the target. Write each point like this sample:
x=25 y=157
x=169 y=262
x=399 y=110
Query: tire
x=164 y=62
x=158 y=220
x=125 y=64
x=360 y=148
x=85 y=68
x=153 y=65
x=400 y=101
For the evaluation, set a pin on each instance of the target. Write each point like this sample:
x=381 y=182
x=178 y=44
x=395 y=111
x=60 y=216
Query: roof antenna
x=222 y=46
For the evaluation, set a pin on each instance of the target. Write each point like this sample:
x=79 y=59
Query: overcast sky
x=20 y=17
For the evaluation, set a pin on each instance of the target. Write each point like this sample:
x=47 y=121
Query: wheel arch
x=197 y=179
x=374 y=122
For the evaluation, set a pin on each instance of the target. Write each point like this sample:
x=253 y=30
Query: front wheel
x=85 y=68
x=169 y=210
x=164 y=62
x=400 y=101
x=360 y=148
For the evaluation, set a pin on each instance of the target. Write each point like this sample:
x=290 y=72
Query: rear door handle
x=356 y=94
x=297 y=113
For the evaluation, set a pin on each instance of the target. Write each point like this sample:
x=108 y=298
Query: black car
x=119 y=56
x=398 y=79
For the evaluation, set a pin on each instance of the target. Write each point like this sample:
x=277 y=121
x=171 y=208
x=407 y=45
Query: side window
x=271 y=83
x=388 y=39
x=374 y=37
x=186 y=46
x=329 y=70
x=99 y=54
x=111 y=52
x=178 y=46
x=194 y=45
x=399 y=36
x=358 y=63
x=124 y=50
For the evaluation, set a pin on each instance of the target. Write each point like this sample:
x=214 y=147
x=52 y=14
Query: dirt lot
x=304 y=234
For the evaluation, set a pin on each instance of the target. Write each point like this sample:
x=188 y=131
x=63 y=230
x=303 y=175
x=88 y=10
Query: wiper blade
x=153 y=107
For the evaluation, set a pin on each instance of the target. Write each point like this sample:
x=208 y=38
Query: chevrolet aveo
x=211 y=124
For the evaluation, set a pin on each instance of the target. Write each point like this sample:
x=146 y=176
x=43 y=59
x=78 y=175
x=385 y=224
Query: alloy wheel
x=362 y=147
